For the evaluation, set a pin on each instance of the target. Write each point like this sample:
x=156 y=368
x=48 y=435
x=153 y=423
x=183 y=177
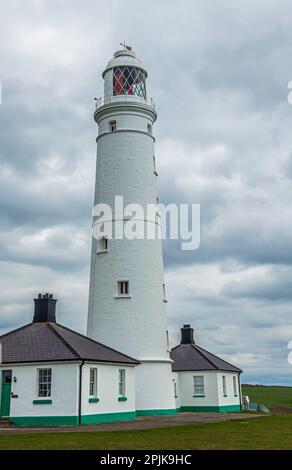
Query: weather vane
x=125 y=46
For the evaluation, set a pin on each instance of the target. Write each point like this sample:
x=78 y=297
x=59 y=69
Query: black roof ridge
x=97 y=342
x=17 y=329
x=50 y=325
x=226 y=362
x=200 y=352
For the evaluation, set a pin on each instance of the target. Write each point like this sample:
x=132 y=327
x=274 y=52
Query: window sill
x=198 y=396
x=225 y=396
x=42 y=402
x=235 y=395
x=122 y=398
x=100 y=252
x=93 y=400
x=122 y=296
x=155 y=173
x=165 y=301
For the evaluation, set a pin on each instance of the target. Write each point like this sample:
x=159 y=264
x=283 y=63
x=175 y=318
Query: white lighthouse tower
x=127 y=305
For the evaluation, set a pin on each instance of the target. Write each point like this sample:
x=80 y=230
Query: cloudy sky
x=219 y=74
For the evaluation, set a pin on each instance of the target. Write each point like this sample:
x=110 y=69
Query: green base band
x=108 y=417
x=210 y=409
x=71 y=420
x=171 y=411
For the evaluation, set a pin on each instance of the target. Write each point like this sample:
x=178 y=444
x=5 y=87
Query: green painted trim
x=198 y=396
x=225 y=396
x=108 y=417
x=42 y=402
x=93 y=400
x=71 y=420
x=122 y=398
x=211 y=409
x=235 y=395
x=44 y=420
x=171 y=411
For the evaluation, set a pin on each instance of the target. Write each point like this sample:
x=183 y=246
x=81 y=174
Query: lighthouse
x=127 y=304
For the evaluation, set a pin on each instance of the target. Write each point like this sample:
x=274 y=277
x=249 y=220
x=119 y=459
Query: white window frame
x=102 y=245
x=93 y=383
x=224 y=386
x=112 y=126
x=235 y=392
x=122 y=382
x=47 y=382
x=199 y=388
x=123 y=288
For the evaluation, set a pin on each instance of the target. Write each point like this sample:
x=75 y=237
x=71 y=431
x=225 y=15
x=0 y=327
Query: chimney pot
x=187 y=335
x=45 y=308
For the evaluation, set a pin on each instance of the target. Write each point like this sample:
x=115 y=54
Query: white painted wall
x=64 y=390
x=186 y=389
x=230 y=399
x=108 y=389
x=213 y=389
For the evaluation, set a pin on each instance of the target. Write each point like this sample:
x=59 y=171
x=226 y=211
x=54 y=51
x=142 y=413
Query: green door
x=5 y=393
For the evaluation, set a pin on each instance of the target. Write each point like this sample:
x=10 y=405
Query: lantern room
x=125 y=76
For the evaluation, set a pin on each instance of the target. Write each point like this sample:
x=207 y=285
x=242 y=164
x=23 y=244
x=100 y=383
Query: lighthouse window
x=129 y=81
x=123 y=288
x=113 y=126
x=149 y=129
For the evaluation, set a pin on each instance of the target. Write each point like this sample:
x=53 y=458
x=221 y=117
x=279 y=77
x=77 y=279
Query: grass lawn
x=271 y=397
x=268 y=432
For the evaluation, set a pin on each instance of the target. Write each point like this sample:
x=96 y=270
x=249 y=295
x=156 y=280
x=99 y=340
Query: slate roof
x=49 y=342
x=190 y=357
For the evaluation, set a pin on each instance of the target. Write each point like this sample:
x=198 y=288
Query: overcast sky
x=218 y=72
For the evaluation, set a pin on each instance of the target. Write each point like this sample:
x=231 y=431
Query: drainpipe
x=80 y=393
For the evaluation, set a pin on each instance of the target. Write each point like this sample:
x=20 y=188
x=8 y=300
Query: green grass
x=268 y=432
x=271 y=397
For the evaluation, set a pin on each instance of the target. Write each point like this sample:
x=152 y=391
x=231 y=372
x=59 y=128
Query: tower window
x=113 y=126
x=102 y=245
x=199 y=389
x=123 y=288
x=149 y=129
x=154 y=166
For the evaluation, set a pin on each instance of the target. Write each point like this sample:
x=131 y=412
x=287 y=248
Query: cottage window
x=199 y=389
x=93 y=382
x=122 y=382
x=234 y=386
x=224 y=386
x=44 y=382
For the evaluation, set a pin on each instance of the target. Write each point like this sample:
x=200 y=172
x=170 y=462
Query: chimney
x=45 y=308
x=187 y=335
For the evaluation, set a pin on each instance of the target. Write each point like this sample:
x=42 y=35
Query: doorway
x=5 y=393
